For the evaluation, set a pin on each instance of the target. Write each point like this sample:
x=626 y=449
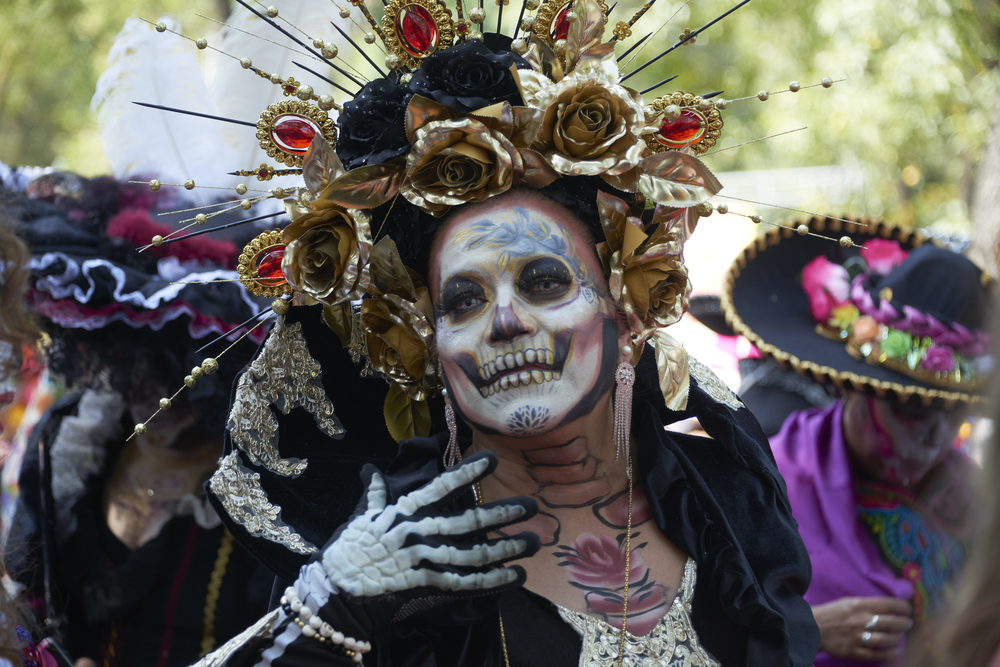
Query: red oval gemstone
x=416 y=30
x=293 y=133
x=269 y=267
x=684 y=131
x=560 y=23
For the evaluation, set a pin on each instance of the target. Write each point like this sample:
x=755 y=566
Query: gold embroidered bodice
x=672 y=643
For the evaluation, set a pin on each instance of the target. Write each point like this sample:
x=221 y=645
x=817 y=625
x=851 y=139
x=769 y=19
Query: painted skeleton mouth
x=518 y=368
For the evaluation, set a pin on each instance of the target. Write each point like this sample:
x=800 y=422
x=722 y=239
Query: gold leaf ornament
x=397 y=323
x=366 y=187
x=404 y=417
x=321 y=166
x=676 y=179
x=672 y=366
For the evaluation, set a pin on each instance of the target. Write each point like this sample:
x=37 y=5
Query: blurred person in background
x=875 y=481
x=969 y=635
x=123 y=559
x=18 y=331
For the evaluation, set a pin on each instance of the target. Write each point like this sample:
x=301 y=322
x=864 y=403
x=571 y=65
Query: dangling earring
x=452 y=453
x=624 y=379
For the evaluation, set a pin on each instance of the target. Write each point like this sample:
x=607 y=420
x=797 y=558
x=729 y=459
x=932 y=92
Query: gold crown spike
x=786 y=208
x=327 y=50
x=246 y=63
x=260 y=265
x=286 y=129
x=753 y=141
x=682 y=120
x=624 y=30
x=266 y=172
x=686 y=37
x=642 y=43
x=208 y=366
x=801 y=230
x=414 y=29
x=793 y=87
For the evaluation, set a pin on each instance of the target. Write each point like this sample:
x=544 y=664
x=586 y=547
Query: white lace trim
x=79 y=451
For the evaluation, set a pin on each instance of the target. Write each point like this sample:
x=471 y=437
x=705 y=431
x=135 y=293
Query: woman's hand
x=391 y=559
x=862 y=628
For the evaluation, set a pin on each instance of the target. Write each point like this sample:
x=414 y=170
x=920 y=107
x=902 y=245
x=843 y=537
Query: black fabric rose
x=371 y=126
x=467 y=77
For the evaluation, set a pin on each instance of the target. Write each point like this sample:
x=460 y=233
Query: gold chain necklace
x=628 y=553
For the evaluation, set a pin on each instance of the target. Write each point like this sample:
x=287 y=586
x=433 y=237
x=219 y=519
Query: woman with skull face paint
x=506 y=234
x=878 y=489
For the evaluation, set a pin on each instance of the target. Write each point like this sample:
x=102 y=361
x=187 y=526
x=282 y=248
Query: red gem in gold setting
x=293 y=133
x=269 y=267
x=560 y=23
x=689 y=128
x=417 y=31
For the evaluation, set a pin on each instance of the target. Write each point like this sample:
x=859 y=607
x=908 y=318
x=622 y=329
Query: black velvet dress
x=721 y=501
x=162 y=605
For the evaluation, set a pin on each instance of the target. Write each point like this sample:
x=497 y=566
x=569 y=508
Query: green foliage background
x=912 y=116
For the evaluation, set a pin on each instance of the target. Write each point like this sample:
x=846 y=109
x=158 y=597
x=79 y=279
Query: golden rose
x=326 y=255
x=453 y=162
x=658 y=290
x=398 y=335
x=865 y=329
x=588 y=130
x=646 y=272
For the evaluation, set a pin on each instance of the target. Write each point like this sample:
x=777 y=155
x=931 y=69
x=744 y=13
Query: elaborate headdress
x=461 y=116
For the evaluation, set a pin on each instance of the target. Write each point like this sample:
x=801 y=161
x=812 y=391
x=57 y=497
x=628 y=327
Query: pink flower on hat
x=939 y=359
x=827 y=285
x=882 y=255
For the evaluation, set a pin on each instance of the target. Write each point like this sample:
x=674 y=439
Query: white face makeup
x=523 y=331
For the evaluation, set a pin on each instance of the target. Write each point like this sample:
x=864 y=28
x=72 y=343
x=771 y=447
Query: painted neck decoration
x=904 y=340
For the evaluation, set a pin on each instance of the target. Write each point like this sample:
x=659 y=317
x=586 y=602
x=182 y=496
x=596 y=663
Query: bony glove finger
x=373 y=500
x=444 y=488
x=467 y=524
x=455 y=557
x=453 y=582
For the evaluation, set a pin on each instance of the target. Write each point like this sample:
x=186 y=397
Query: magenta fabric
x=812 y=456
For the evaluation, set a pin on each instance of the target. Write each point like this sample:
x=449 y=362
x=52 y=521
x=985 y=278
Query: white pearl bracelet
x=313 y=626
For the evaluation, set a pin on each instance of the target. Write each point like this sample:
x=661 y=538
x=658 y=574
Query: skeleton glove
x=390 y=561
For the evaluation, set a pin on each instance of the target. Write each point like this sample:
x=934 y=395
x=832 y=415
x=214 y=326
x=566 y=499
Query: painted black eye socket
x=544 y=278
x=461 y=296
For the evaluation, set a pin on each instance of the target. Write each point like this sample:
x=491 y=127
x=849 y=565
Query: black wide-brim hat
x=763 y=299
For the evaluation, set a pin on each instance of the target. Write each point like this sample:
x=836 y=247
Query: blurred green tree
x=51 y=53
x=912 y=116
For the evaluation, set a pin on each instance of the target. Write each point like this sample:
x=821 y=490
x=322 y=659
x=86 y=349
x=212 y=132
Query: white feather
x=165 y=69
x=239 y=93
x=159 y=68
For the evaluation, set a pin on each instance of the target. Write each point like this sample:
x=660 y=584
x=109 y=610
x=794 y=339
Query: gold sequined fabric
x=710 y=383
x=241 y=495
x=672 y=643
x=286 y=376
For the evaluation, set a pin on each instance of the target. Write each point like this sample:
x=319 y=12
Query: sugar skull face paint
x=898 y=443
x=524 y=331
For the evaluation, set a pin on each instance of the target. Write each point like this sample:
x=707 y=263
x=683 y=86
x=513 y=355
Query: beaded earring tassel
x=624 y=379
x=452 y=454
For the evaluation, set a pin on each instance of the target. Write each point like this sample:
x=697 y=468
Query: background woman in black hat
x=114 y=539
x=879 y=491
